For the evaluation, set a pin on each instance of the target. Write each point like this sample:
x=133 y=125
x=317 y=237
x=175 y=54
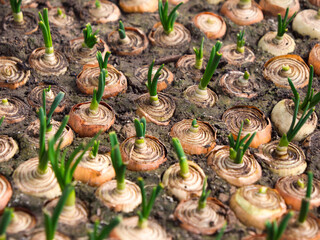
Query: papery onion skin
x=314 y=58
x=202 y=101
x=157 y=36
x=116 y=82
x=128 y=229
x=65 y=22
x=255 y=212
x=27 y=27
x=229 y=53
x=13 y=65
x=294 y=165
x=315 y=2
x=293 y=194
x=255 y=115
x=255 y=237
x=8 y=148
x=23 y=221
x=307 y=23
x=15 y=112
x=286 y=44
x=5 y=192
x=206 y=221
x=103 y=15
x=201 y=142
x=273 y=8
x=86 y=128
x=134 y=6
x=181 y=188
x=281 y=117
x=300 y=71
x=211 y=33
x=41 y=235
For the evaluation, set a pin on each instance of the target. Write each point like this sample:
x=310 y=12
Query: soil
x=15 y=44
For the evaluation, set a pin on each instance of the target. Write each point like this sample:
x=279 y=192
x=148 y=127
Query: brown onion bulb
x=23 y=221
x=231 y=84
x=294 y=164
x=88 y=80
x=298 y=73
x=145 y=157
x=314 y=58
x=88 y=124
x=158 y=114
x=233 y=57
x=254 y=208
x=269 y=43
x=108 y=11
x=205 y=221
x=141 y=77
x=255 y=237
x=282 y=114
x=211 y=24
x=306 y=23
x=136 y=42
x=94 y=171
x=138 y=6
x=5 y=192
x=32 y=133
x=41 y=235
x=82 y=55
x=128 y=229
x=258 y=122
x=120 y=201
x=292 y=193
x=179 y=37
x=12 y=74
x=315 y=2
x=201 y=98
x=26 y=177
x=238 y=174
x=63 y=21
x=201 y=141
x=15 y=111
x=184 y=188
x=186 y=64
x=274 y=7
x=28 y=26
x=8 y=148
x=245 y=15
x=45 y=67
x=35 y=97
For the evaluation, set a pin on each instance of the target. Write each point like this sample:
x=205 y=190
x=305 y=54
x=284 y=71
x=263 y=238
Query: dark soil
x=13 y=44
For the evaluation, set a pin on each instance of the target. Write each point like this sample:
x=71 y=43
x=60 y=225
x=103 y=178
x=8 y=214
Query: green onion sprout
x=140 y=126
x=45 y=28
x=105 y=230
x=240 y=42
x=5 y=221
x=98 y=4
x=183 y=161
x=60 y=13
x=202 y=203
x=199 y=55
x=103 y=63
x=1 y=120
x=16 y=10
x=194 y=126
x=152 y=83
x=310 y=100
x=122 y=31
x=221 y=232
x=305 y=202
x=273 y=231
x=94 y=150
x=118 y=165
x=97 y=95
x=167 y=21
x=147 y=205
x=51 y=222
x=283 y=23
x=90 y=38
x=238 y=148
x=4 y=101
x=212 y=65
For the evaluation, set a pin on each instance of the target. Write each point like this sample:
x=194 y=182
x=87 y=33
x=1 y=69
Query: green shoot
x=147 y=205
x=16 y=10
x=246 y=75
x=221 y=232
x=103 y=63
x=60 y=13
x=90 y=38
x=105 y=231
x=5 y=221
x=194 y=126
x=122 y=31
x=97 y=95
x=283 y=23
x=202 y=203
x=94 y=151
x=167 y=21
x=43 y=152
x=305 y=203
x=140 y=127
x=240 y=42
x=238 y=148
x=212 y=65
x=152 y=83
x=65 y=169
x=1 y=120
x=98 y=4
x=310 y=100
x=4 y=101
x=51 y=222
x=118 y=165
x=183 y=161
x=45 y=28
x=199 y=55
x=273 y=231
